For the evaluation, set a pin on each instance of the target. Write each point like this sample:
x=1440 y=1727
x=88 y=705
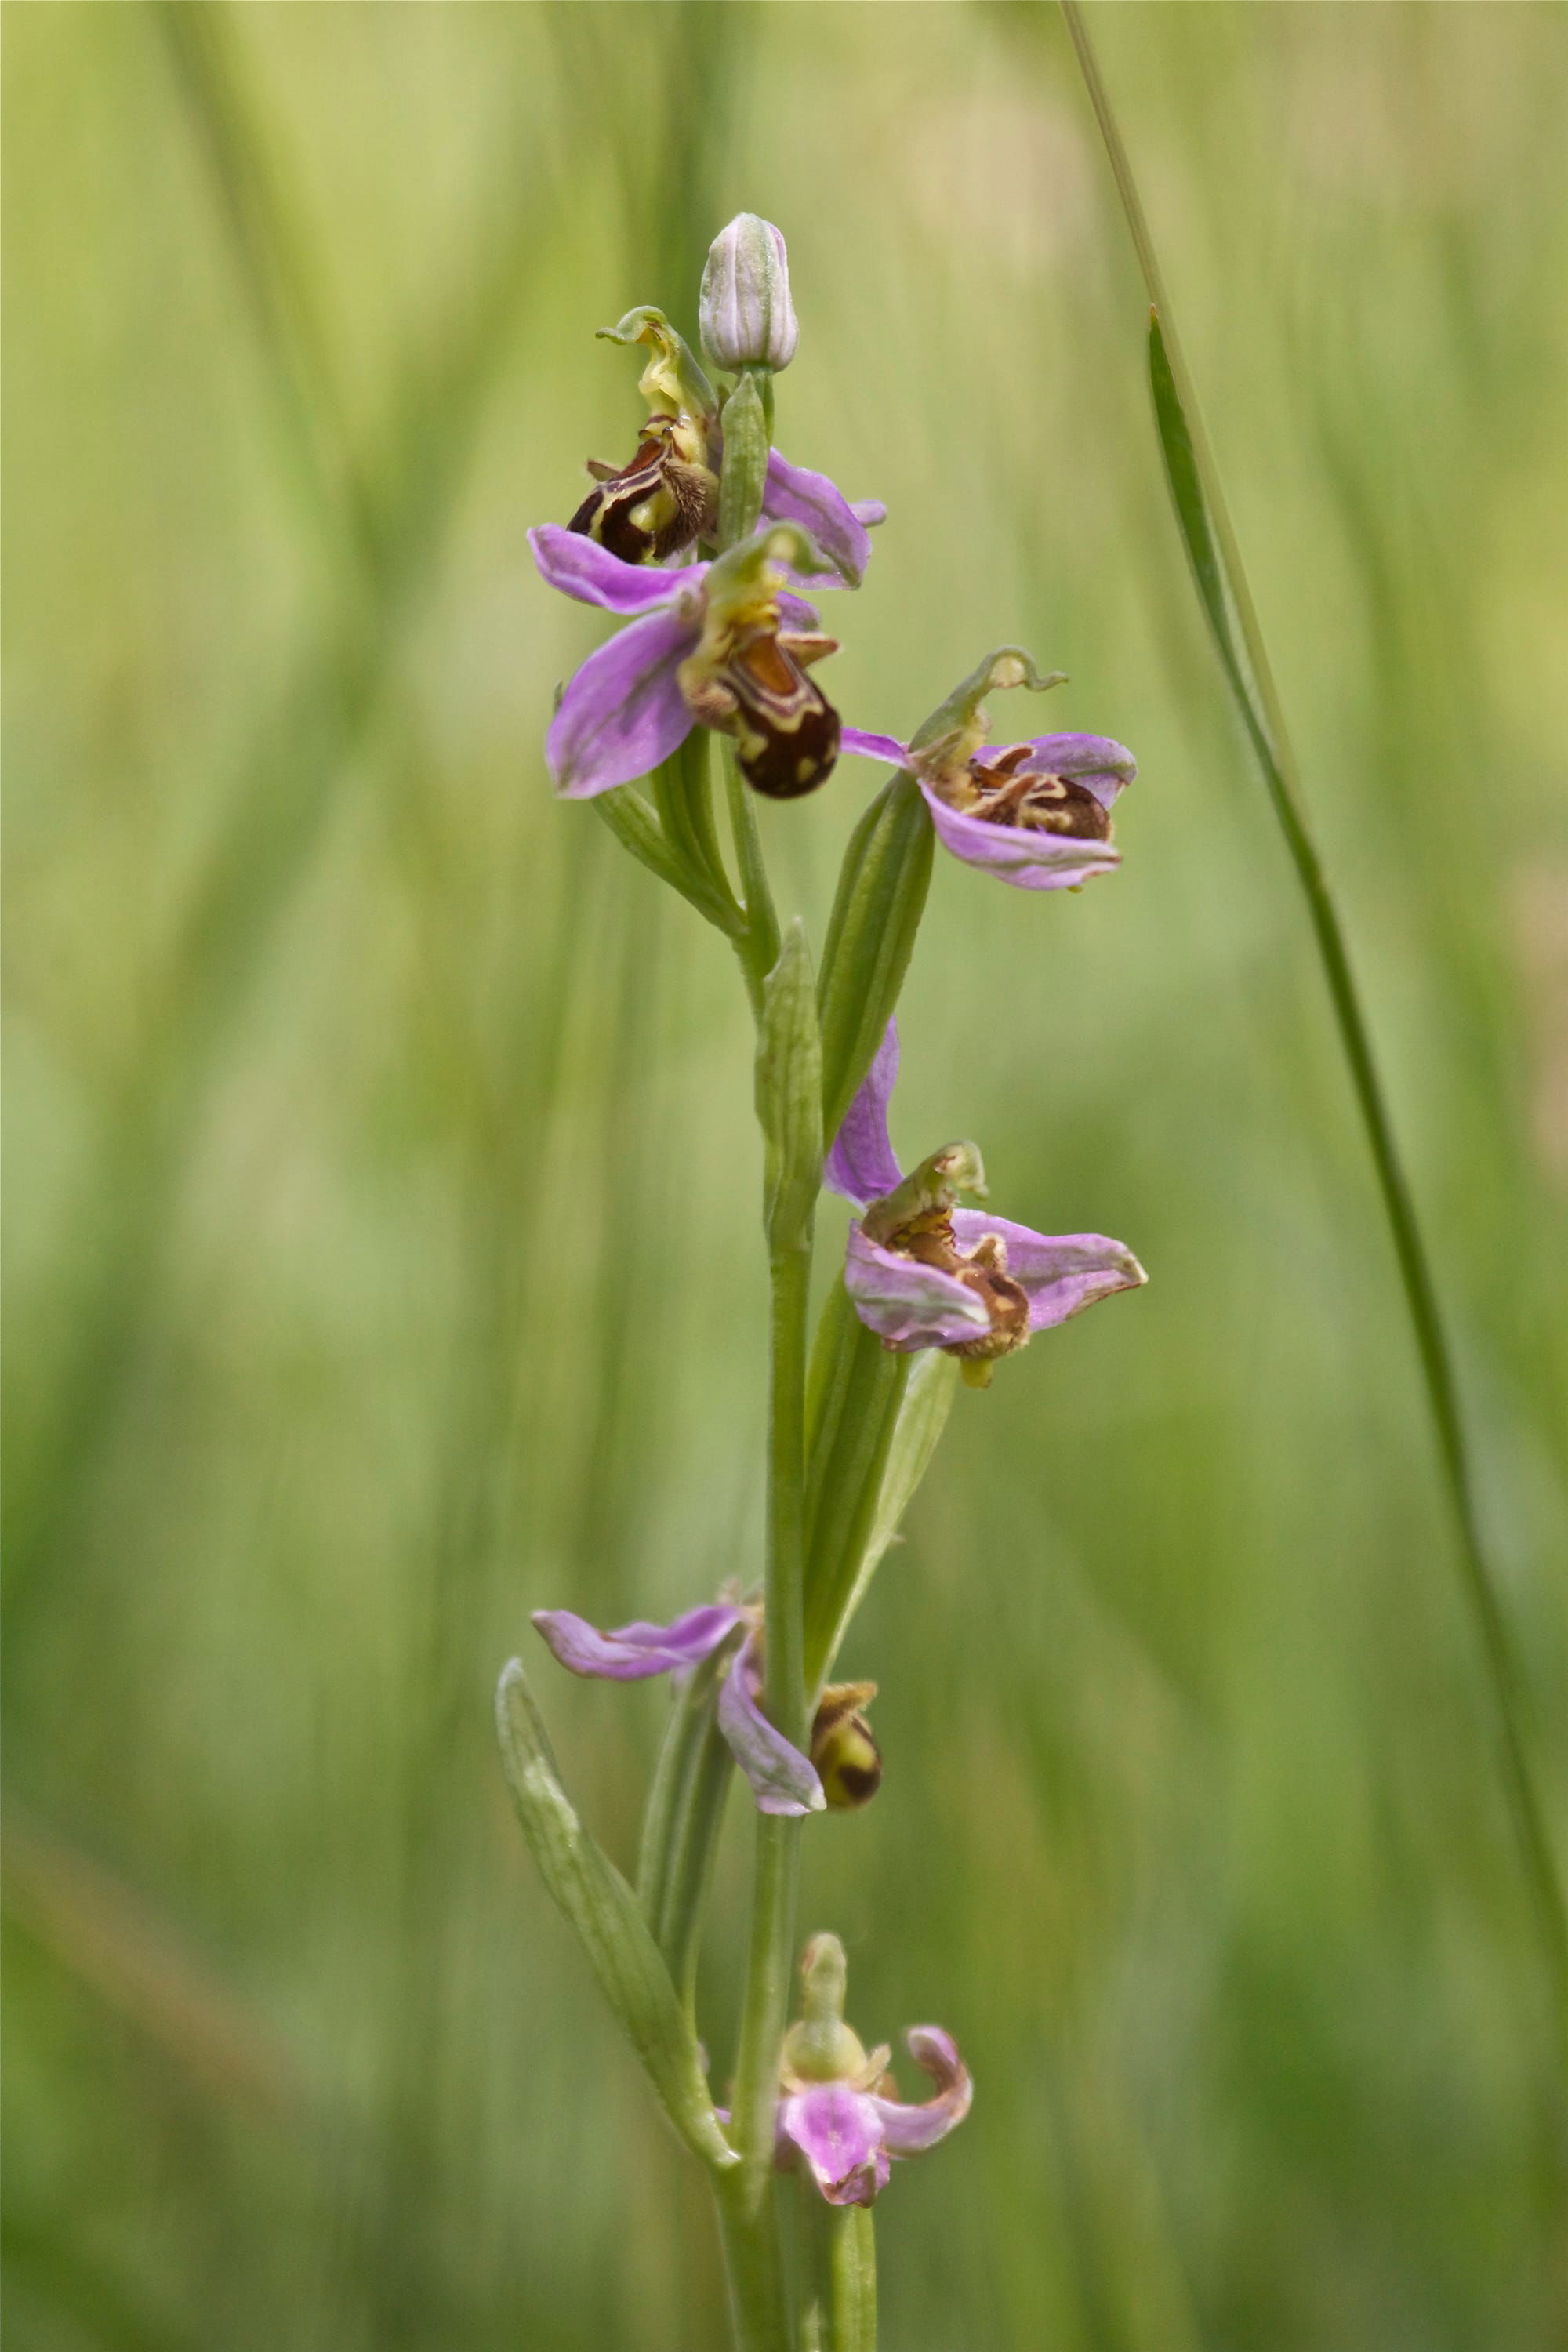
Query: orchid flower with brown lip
x=1035 y=813
x=923 y=1273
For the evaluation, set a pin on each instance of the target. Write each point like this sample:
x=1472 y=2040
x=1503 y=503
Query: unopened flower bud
x=844 y=1747
x=745 y=308
x=820 y=2048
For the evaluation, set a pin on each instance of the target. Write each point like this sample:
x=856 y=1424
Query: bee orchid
x=923 y=1273
x=1035 y=813
x=724 y=645
x=839 y=2108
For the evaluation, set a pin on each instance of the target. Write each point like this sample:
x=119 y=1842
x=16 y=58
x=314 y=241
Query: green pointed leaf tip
x=596 y=1902
x=877 y=912
x=789 y=1093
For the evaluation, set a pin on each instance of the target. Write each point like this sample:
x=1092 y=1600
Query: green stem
x=784 y=1685
x=783 y=1696
x=758 y=944
x=816 y=2271
x=852 y=2257
x=758 y=2305
x=1270 y=740
x=775 y=1878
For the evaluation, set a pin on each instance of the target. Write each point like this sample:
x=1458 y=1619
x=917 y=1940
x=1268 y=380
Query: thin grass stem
x=1224 y=590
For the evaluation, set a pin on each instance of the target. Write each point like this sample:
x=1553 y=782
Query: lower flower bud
x=844 y=1747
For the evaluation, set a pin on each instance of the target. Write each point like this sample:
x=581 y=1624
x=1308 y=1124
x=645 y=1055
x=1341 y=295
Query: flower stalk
x=703 y=548
x=852 y=2273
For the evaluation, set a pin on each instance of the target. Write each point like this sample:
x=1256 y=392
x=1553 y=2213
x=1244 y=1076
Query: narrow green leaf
x=1198 y=535
x=853 y=1396
x=637 y=828
x=680 y=1826
x=598 y=1903
x=877 y=912
x=789 y=1094
x=683 y=796
x=745 y=463
x=922 y=1417
x=874 y=1419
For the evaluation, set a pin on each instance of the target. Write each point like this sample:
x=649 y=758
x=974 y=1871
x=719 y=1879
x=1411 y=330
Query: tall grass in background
x=373 y=1230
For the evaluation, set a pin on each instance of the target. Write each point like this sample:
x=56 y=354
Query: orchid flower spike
x=1035 y=813
x=923 y=1273
x=839 y=2108
x=783 y=1781
x=724 y=645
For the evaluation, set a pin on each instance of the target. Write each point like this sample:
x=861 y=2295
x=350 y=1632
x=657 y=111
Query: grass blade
x=1223 y=589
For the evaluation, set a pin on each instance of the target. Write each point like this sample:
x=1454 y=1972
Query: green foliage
x=602 y=1911
x=382 y=1235
x=877 y=912
x=789 y=1095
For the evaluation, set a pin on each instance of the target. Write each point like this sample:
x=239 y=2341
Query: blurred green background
x=384 y=1252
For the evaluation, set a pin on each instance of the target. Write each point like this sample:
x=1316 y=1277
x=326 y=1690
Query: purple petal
x=580 y=567
x=870 y=512
x=908 y=1305
x=838 y=2130
x=909 y=2131
x=623 y=710
x=1063 y=1273
x=874 y=747
x=783 y=1779
x=1017 y=854
x=861 y=1166
x=794 y=494
x=1101 y=765
x=630 y=1652
x=795 y=611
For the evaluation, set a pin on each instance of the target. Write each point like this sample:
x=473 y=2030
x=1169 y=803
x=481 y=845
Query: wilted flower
x=745 y=309
x=923 y=1273
x=1035 y=813
x=839 y=2108
x=845 y=1767
x=723 y=644
x=783 y=1781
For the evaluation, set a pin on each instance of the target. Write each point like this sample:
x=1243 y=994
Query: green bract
x=789 y=1095
x=599 y=1904
x=881 y=897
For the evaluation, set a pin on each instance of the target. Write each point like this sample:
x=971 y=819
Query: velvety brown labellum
x=1035 y=803
x=929 y=1239
x=653 y=507
x=785 y=730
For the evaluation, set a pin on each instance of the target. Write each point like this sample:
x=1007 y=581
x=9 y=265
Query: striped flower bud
x=745 y=308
